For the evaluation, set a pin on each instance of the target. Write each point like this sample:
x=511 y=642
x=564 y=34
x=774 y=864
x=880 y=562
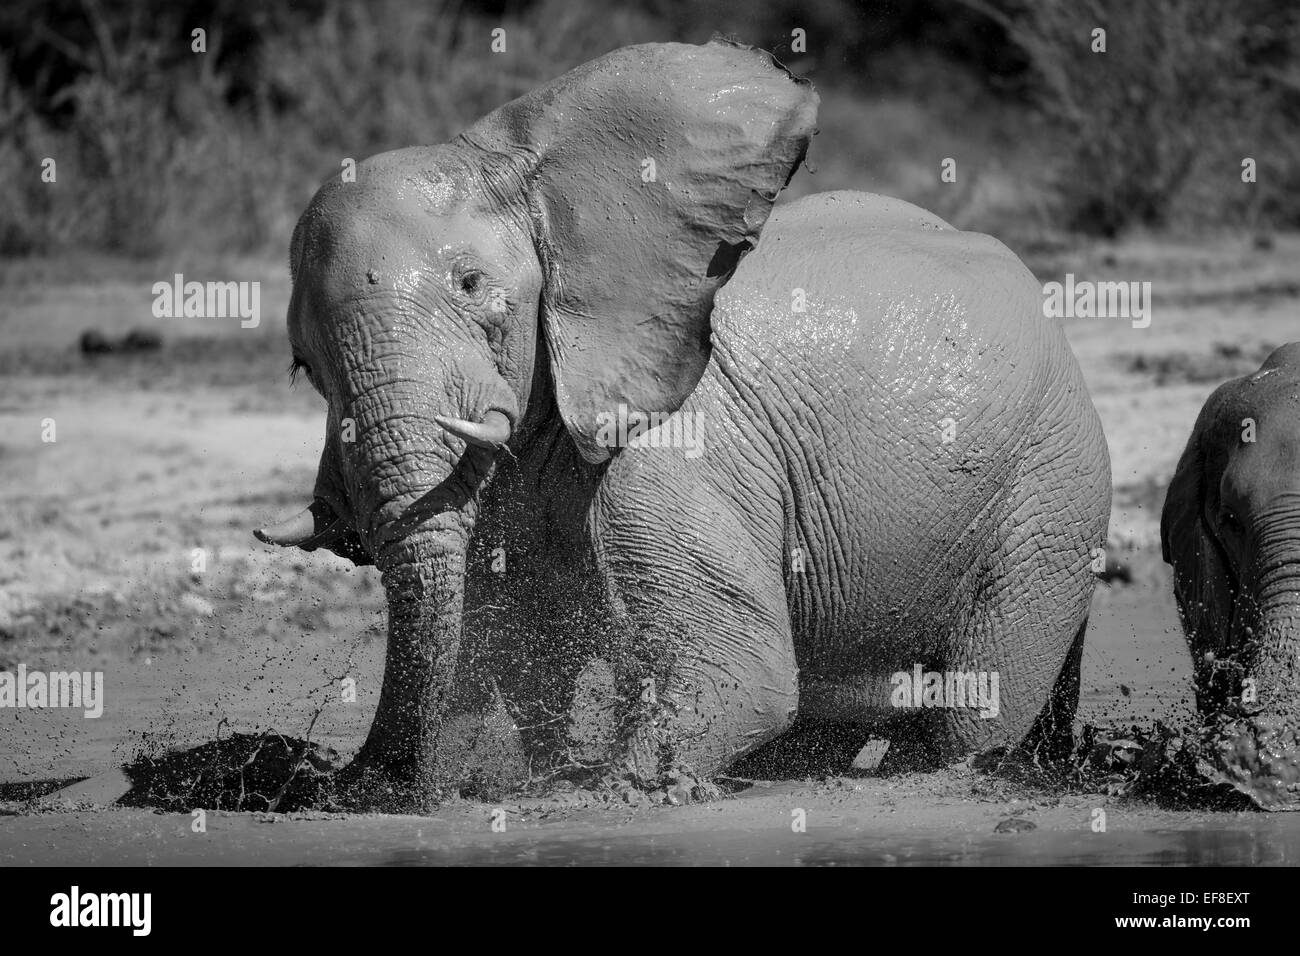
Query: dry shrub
x=1184 y=90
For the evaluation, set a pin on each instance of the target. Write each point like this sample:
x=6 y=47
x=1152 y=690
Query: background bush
x=1185 y=90
x=159 y=148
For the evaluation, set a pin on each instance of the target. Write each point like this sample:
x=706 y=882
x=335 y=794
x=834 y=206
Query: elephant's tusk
x=300 y=530
x=289 y=533
x=491 y=433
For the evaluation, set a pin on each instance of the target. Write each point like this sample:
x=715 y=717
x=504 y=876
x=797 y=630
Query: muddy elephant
x=1230 y=529
x=596 y=433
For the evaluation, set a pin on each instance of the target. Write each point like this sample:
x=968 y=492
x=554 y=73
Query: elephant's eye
x=472 y=283
x=1230 y=521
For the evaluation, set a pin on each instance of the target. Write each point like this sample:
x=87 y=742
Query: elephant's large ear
x=647 y=173
x=1202 y=580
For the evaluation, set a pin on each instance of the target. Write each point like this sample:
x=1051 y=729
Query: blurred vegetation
x=159 y=148
x=1184 y=91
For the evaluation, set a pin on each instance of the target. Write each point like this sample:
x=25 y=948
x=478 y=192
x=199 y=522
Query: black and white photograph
x=675 y=433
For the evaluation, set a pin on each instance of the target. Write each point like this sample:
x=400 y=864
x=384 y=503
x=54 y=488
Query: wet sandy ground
x=159 y=455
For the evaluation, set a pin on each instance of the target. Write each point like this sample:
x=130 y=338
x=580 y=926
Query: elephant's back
x=852 y=210
x=908 y=380
x=875 y=298
x=888 y=310
x=866 y=266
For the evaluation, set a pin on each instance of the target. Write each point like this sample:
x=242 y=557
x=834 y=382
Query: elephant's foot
x=481 y=756
x=386 y=778
x=629 y=741
x=1260 y=757
x=593 y=720
x=474 y=756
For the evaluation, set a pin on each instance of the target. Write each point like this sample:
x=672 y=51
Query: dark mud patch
x=31 y=790
x=1222 y=361
x=270 y=772
x=1167 y=767
x=244 y=772
x=216 y=359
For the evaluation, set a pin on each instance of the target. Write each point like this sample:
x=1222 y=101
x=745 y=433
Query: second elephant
x=1231 y=530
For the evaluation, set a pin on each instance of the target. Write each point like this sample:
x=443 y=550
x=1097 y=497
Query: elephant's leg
x=533 y=615
x=1019 y=651
x=700 y=609
x=1030 y=614
x=481 y=751
x=525 y=639
x=538 y=628
x=1052 y=735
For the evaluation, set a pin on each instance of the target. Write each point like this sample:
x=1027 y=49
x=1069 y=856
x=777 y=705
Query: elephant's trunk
x=1260 y=739
x=416 y=511
x=423 y=577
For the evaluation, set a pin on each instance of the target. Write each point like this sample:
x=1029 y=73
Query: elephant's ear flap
x=1180 y=518
x=648 y=173
x=1202 y=580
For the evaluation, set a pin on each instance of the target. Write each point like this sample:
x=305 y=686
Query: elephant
x=615 y=453
x=1230 y=530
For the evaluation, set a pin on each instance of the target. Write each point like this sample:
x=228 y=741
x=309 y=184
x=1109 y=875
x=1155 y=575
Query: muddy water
x=1135 y=671
x=858 y=830
x=1268 y=841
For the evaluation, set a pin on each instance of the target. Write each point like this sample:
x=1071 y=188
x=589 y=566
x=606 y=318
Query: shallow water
x=1135 y=671
x=858 y=829
x=1264 y=841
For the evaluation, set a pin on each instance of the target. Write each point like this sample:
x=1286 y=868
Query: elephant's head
x=1231 y=530
x=595 y=217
